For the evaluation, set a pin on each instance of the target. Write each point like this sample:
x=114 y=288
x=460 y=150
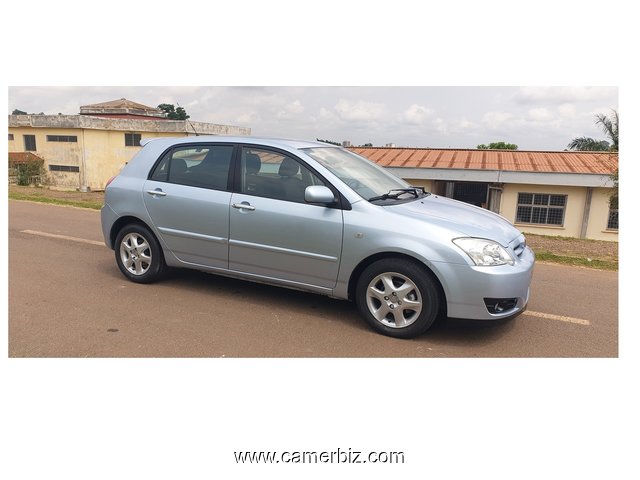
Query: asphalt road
x=67 y=298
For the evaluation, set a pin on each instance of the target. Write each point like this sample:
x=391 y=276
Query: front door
x=273 y=232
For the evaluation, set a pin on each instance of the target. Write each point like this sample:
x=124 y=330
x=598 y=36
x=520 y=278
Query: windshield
x=365 y=178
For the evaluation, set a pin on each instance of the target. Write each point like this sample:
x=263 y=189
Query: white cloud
x=440 y=126
x=416 y=115
x=494 y=120
x=564 y=94
x=290 y=110
x=359 y=111
x=247 y=118
x=539 y=114
x=567 y=110
x=465 y=125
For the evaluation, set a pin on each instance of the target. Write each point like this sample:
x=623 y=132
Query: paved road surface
x=67 y=298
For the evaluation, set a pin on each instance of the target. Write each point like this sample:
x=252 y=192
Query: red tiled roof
x=16 y=158
x=601 y=163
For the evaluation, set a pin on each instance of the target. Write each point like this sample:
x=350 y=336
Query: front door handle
x=243 y=206
x=160 y=193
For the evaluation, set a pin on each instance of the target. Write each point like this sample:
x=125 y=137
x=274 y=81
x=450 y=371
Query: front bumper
x=467 y=287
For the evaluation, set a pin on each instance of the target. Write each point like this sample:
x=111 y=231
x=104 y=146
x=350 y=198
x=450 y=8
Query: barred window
x=29 y=143
x=63 y=168
x=612 y=222
x=132 y=139
x=11 y=136
x=541 y=208
x=62 y=138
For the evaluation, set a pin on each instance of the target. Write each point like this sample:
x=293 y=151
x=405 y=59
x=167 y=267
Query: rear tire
x=397 y=297
x=139 y=255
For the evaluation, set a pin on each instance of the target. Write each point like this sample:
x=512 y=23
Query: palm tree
x=609 y=125
x=587 y=144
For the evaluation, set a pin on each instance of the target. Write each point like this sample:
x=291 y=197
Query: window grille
x=541 y=208
x=612 y=222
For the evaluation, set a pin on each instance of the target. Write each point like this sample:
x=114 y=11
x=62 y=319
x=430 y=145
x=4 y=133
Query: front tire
x=397 y=297
x=138 y=254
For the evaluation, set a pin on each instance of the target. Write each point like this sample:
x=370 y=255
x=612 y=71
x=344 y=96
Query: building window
x=541 y=208
x=612 y=222
x=62 y=138
x=11 y=136
x=30 y=143
x=132 y=139
x=63 y=168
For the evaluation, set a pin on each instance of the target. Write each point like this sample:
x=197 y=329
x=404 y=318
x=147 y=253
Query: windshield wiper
x=396 y=192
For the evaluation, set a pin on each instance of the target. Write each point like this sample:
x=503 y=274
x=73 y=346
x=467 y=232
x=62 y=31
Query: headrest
x=289 y=168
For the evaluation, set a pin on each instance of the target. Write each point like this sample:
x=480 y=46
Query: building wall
x=427 y=184
x=105 y=153
x=53 y=153
x=574 y=212
x=599 y=216
x=100 y=151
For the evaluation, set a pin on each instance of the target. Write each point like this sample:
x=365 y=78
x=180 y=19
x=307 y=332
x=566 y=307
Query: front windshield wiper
x=396 y=192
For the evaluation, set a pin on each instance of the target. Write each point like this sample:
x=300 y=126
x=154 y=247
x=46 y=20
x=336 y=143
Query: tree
x=609 y=125
x=172 y=112
x=329 y=141
x=18 y=112
x=498 y=146
x=589 y=144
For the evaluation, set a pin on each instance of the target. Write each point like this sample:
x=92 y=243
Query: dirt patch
x=574 y=247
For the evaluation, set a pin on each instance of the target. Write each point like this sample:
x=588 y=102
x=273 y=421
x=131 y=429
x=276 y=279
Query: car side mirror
x=319 y=194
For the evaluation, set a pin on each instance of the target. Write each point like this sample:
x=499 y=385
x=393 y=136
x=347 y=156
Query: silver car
x=314 y=217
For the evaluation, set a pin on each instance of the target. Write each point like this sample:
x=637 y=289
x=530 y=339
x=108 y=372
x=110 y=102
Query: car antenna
x=187 y=119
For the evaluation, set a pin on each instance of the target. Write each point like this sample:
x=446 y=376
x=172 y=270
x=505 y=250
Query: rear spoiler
x=144 y=141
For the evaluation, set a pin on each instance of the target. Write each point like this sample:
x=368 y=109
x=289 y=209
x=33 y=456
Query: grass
x=43 y=198
x=577 y=261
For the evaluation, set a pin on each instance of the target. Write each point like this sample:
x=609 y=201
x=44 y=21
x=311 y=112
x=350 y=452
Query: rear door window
x=204 y=166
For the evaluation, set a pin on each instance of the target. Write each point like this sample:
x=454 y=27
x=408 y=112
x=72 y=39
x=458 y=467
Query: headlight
x=484 y=252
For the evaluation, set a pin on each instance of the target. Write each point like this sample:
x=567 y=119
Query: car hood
x=460 y=217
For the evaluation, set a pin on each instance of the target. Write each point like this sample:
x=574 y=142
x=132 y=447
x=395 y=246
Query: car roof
x=271 y=142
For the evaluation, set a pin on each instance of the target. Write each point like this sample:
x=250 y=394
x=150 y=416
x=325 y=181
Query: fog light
x=500 y=305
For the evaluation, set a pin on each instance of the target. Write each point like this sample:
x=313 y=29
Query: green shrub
x=26 y=171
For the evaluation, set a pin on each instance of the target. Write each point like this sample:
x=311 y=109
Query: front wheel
x=138 y=254
x=397 y=297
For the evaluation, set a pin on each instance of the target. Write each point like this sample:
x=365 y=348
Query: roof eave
x=505 y=176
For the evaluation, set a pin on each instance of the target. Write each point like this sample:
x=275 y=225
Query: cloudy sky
x=534 y=118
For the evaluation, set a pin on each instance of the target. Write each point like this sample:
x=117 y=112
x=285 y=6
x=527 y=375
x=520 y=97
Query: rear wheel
x=138 y=254
x=397 y=297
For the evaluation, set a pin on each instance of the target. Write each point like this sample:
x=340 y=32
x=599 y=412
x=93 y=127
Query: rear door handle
x=160 y=193
x=243 y=206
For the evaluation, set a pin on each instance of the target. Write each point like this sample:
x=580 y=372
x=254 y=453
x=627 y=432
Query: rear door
x=187 y=197
x=273 y=232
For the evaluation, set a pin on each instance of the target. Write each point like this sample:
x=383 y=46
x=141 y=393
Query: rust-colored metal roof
x=600 y=163
x=16 y=158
